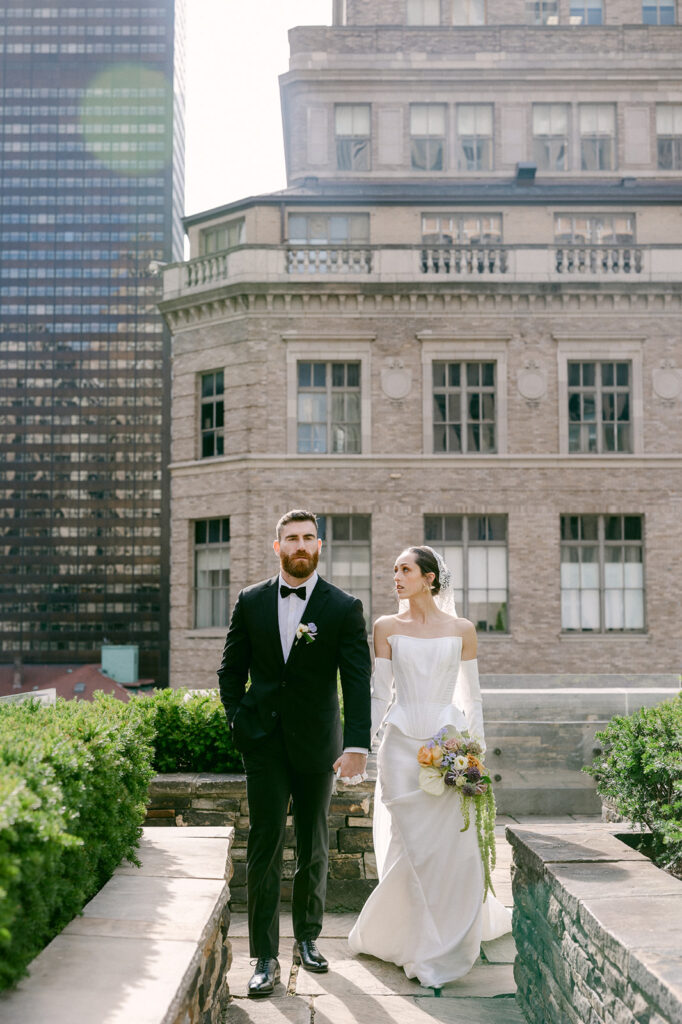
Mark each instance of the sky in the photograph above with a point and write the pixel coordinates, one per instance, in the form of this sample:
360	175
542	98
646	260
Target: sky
235	52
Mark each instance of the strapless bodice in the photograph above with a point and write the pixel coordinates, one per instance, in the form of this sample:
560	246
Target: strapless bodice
424	675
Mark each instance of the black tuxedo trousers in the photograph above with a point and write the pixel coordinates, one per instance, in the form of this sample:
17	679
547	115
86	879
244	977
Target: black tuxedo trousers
287	726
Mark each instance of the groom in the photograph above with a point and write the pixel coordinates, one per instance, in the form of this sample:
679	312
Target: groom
290	635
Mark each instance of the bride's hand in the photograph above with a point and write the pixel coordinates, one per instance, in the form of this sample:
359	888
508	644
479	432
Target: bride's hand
350	767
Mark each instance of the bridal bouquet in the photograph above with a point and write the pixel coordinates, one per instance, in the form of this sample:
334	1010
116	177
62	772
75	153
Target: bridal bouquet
451	760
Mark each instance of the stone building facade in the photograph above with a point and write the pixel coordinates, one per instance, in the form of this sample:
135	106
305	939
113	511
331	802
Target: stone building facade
460	324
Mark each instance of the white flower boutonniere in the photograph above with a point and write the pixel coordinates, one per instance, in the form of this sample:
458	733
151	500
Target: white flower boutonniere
306	631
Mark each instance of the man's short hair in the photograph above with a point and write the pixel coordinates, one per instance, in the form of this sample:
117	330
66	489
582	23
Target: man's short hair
297	515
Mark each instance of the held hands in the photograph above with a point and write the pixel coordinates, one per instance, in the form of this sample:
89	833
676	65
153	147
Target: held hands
350	768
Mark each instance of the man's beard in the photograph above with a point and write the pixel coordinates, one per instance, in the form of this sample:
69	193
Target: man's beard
301	565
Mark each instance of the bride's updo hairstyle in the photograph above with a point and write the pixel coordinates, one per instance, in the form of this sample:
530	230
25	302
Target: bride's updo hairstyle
426	560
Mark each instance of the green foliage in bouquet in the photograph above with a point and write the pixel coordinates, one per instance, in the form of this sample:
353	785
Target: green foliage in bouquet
190	731
640	771
73	793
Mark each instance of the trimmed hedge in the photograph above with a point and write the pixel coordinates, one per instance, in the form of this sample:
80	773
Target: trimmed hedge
73	791
640	770
190	731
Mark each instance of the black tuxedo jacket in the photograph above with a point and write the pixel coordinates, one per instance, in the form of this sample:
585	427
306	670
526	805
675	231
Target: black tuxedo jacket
300	693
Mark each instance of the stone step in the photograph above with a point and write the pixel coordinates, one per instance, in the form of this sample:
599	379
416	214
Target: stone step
545	791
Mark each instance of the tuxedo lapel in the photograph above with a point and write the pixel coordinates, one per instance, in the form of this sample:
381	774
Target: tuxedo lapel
271	616
315	605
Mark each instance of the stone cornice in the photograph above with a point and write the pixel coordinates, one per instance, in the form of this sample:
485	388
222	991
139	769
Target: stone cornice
420	461
340	299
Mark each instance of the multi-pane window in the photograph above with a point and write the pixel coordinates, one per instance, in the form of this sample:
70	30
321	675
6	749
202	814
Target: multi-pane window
211	572
328	407
327	228
475	550
542	12
669	136
212	414
461	228
468	12
346	555
602	573
594	228
658	12
427	136
474	136
353	136
599	396
597	136
463	406
222	236
550	136
587	12
423	12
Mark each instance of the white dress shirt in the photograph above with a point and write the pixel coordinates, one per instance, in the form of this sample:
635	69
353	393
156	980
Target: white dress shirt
290	611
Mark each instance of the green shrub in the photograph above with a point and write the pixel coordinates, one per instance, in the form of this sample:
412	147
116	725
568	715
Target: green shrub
191	733
73	793
640	771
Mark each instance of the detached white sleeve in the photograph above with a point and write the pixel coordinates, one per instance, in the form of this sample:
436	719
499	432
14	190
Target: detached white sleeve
382	691
468	698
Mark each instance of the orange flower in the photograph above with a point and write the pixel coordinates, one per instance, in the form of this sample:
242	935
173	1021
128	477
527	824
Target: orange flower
475	763
436	756
425	756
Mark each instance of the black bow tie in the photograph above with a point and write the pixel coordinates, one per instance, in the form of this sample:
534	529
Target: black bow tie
299	591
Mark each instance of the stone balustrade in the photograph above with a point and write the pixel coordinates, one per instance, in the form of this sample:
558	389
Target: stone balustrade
395	264
598	928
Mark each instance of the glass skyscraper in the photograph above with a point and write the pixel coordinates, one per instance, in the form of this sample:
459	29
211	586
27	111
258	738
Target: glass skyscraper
92	163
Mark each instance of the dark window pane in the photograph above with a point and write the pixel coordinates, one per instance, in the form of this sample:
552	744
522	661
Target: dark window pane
453	527
433	528
439	434
226	529
360	527
574	408
489	374
219	383
207	385
214	531
338	375
607	374
477	528
200	531
319	375
454	406
353	375
497	527
474	407
573	375
454	438
304	375
206	446
622	373
590	527
623	407
588	374
473	374
341	527
439	375
613	528
219	445
474	437
454	375
633	527
439	404
219	414
608	407
322	527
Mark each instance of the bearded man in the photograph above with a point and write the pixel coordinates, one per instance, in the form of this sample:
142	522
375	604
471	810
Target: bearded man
291	635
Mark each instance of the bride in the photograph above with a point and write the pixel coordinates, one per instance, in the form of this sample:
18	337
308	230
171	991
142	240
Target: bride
427	913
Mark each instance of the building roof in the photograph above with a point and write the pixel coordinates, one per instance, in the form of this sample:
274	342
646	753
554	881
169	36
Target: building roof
454	191
73	682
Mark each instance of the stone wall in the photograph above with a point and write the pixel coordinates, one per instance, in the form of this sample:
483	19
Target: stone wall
195	799
597	926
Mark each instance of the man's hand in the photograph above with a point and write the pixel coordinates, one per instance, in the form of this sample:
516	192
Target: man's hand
350	765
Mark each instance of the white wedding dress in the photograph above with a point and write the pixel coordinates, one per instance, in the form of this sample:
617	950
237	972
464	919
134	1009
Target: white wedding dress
427	913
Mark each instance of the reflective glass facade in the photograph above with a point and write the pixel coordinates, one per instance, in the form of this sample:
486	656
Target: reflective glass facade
92	163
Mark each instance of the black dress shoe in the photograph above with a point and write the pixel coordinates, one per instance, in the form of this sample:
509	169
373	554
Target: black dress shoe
307	954
265	977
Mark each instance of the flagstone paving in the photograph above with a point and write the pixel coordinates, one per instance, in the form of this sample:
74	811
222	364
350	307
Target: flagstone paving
364	990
